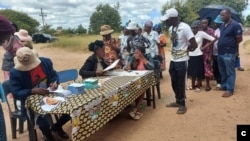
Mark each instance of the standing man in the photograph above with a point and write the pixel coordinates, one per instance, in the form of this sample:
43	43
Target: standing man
230	37
111	45
182	41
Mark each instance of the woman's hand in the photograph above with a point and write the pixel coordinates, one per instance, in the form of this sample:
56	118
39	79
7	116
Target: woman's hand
127	68
40	91
99	72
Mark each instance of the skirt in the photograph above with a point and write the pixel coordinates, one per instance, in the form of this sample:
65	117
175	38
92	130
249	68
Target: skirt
196	67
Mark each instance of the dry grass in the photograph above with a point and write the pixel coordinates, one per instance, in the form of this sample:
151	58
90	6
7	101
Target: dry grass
76	42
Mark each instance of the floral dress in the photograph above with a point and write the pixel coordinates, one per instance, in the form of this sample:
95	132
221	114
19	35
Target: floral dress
109	48
207	54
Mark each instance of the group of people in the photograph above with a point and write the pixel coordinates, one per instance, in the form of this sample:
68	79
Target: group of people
136	51
194	49
26	74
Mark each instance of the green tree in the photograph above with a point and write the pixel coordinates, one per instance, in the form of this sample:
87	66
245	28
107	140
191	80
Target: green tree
80	30
188	8
22	20
105	14
247	22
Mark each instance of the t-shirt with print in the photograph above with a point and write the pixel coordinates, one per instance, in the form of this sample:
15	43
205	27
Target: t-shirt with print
180	37
138	41
199	37
153	37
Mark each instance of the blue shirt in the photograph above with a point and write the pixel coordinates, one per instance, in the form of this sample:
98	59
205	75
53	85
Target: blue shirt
228	38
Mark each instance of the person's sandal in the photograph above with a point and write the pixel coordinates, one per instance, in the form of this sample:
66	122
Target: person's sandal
208	89
174	104
132	113
197	90
190	88
138	115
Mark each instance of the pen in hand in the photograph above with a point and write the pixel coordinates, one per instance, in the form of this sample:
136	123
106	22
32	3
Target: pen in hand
53	86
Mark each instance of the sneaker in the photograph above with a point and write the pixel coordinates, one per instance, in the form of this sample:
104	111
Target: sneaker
59	132
174	104
182	110
132	113
218	85
138	115
197	90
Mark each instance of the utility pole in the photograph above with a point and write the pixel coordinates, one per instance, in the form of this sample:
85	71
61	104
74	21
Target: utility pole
43	15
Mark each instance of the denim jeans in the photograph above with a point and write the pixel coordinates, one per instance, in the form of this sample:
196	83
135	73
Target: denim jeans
226	63
2	126
177	71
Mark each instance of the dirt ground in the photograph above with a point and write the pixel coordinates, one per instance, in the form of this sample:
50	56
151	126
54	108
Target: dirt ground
210	117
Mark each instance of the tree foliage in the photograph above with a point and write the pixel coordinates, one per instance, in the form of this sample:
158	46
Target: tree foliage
188	8
22	20
105	14
80	30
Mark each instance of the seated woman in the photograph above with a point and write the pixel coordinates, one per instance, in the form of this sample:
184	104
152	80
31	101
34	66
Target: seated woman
95	64
140	61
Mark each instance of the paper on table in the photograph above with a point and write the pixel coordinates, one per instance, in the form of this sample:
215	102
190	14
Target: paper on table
112	65
60	90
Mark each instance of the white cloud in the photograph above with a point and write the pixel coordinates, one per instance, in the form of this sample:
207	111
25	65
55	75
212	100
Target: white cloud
71	13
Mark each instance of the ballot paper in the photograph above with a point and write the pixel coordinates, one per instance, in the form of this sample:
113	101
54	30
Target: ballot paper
113	65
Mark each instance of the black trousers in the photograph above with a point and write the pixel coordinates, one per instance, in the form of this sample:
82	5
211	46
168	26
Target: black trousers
177	71
216	71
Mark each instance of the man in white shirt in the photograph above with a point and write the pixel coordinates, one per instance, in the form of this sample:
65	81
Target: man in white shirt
182	41
153	37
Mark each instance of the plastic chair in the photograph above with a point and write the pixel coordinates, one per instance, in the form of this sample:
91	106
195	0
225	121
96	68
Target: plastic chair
67	75
13	113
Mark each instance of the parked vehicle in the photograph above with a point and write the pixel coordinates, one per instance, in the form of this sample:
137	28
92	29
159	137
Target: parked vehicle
42	38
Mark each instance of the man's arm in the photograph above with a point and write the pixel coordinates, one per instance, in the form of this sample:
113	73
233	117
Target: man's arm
239	39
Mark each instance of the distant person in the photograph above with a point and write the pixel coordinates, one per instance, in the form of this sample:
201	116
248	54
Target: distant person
6	31
153	37
218	22
32	75
140	61
183	41
135	40
10	46
161	46
95	63
207	52
123	49
230	37
195	62
111	45
25	38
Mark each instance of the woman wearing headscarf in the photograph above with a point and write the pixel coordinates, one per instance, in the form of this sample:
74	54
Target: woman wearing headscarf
161	45
95	64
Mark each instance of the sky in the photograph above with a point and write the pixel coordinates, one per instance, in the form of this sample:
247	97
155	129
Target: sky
71	13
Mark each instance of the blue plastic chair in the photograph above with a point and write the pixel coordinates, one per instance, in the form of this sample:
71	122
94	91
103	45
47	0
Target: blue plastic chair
13	113
67	75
